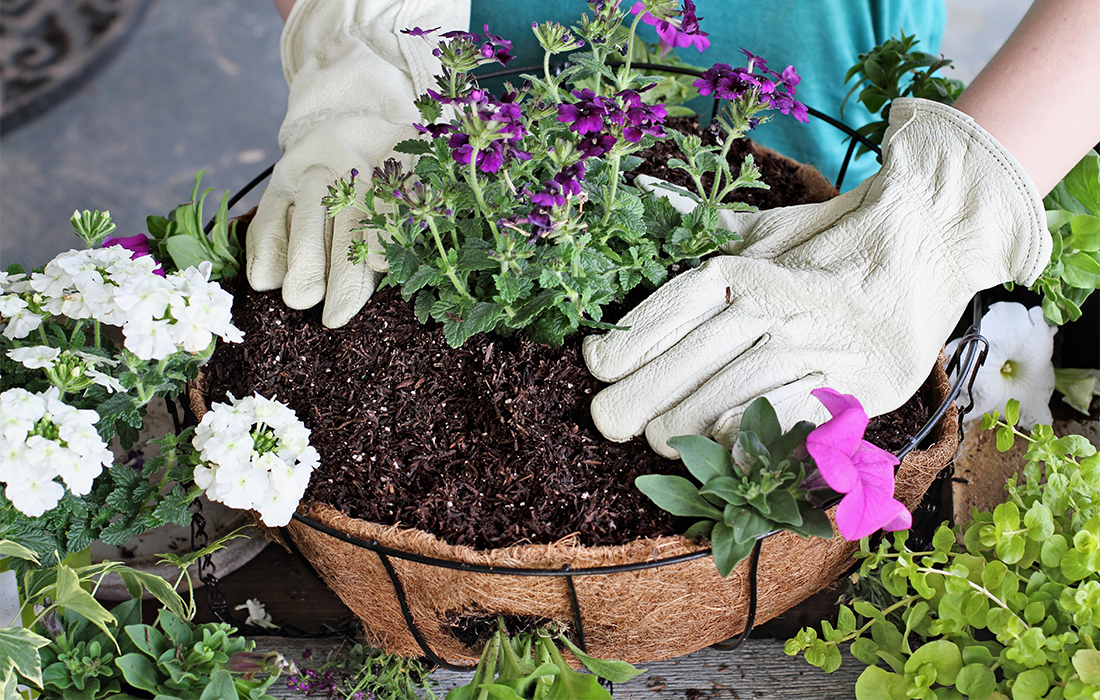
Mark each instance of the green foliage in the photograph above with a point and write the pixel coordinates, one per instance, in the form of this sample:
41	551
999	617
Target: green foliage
530	667
892	70
738	502
1005	606
1073	217
180	238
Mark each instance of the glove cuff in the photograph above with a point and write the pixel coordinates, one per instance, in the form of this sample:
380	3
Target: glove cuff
1019	211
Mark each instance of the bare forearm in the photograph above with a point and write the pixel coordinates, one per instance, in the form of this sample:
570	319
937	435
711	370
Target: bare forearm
284	7
1040	95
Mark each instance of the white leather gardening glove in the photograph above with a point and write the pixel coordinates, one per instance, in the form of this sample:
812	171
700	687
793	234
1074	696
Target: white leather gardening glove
858	293
353	78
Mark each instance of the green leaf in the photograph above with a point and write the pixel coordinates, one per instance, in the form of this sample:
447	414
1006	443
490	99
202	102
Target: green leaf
977	681
186	251
677	495
1087	664
1083	181
1081	270
18	551
413	146
221	687
70	595
139	671
1030	685
879	684
19	653
1012	411
943	655
760	418
1086	232
1005	439
614	671
727	551
703	457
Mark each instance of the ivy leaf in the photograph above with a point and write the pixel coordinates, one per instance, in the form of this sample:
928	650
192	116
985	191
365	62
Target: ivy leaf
19	654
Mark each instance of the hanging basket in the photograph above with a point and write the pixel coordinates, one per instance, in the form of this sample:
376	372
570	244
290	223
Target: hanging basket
648	600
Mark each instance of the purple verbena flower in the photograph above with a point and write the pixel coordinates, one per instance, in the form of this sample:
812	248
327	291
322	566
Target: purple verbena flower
417	31
754	60
640	118
587	114
569	178
687	33
496	48
596	145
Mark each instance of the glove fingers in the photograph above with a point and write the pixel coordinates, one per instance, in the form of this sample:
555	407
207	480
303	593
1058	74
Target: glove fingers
715	408
266	241
350	285
661	321
310	243
623	410
777	231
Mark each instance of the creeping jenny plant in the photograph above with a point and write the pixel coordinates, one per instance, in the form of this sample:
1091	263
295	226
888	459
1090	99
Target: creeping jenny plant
516	214
1005	606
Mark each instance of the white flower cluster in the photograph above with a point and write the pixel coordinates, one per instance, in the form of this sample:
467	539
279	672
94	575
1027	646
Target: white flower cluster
42	438
69	363
158	315
256	455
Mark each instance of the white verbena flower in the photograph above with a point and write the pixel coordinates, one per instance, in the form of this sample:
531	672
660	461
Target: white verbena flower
1018	364
35	356
45	438
256	455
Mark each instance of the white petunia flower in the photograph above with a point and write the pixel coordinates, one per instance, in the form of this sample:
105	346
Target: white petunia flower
256	454
1018	364
35	356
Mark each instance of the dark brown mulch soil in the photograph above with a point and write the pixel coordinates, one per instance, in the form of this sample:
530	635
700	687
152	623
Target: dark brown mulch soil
486	445
785	187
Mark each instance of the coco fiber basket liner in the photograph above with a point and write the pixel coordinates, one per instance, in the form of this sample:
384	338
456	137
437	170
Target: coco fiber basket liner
642	615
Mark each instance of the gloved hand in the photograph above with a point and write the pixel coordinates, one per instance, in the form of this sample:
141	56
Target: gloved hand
353	78
858	293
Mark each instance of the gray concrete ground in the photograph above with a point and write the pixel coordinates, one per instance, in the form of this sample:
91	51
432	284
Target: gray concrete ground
199	86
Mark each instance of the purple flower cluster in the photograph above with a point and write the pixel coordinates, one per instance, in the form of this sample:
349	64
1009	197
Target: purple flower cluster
499	120
672	36
490	46
774	90
312	682
594	116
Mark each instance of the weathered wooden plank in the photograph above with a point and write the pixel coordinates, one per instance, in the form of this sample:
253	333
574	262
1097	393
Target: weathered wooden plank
758	670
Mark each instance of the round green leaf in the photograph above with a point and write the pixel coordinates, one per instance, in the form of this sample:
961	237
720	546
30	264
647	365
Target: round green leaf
943	655
1030	685
1087	664
879	684
977	681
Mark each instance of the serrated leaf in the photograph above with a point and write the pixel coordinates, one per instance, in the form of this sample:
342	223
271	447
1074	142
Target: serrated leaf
413	146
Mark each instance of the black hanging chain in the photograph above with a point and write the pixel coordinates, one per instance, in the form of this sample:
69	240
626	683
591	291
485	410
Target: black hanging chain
215	597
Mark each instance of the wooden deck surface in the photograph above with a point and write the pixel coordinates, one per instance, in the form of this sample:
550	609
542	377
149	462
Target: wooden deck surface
759	670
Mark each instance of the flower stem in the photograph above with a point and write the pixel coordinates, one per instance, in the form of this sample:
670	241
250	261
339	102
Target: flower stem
450	271
475	185
630	47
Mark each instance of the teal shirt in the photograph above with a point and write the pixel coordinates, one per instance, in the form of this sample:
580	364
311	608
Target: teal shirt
820	38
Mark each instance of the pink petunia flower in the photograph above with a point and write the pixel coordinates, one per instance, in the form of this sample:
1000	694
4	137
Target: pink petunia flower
854	467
